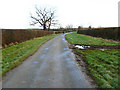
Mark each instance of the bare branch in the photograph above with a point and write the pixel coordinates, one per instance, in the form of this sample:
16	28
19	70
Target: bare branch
45	18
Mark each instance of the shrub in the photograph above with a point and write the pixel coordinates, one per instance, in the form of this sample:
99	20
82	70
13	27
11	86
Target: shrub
20	35
106	33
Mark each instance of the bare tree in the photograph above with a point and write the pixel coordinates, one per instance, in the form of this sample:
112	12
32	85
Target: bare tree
70	26
51	21
44	17
80	28
90	27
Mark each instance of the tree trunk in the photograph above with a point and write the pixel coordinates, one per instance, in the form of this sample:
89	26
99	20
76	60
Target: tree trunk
44	27
49	27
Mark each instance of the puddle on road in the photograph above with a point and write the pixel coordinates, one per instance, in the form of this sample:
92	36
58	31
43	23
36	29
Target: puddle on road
66	52
46	48
65	48
64	39
36	62
69	61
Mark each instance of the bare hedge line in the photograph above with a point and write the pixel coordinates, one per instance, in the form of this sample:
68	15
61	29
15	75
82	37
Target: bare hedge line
21	35
106	33
12	36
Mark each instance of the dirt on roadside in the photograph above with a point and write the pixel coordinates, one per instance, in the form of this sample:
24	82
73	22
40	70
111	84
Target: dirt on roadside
82	62
84	68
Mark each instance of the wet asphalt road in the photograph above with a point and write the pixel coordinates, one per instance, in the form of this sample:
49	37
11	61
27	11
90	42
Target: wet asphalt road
52	66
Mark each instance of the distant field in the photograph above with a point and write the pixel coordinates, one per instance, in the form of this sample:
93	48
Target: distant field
75	38
102	65
13	56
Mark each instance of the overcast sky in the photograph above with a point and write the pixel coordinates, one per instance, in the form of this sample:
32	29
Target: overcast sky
104	13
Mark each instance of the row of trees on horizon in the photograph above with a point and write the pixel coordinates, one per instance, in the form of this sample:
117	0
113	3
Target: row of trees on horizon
46	17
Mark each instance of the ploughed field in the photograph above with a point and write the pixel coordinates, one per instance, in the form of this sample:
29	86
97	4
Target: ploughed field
101	57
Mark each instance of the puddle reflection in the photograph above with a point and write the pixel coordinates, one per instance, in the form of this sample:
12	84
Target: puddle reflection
36	62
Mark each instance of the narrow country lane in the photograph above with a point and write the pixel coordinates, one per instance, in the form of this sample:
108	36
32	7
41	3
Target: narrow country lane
52	66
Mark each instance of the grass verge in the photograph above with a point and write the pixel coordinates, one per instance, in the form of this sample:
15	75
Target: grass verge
102	65
13	56
74	38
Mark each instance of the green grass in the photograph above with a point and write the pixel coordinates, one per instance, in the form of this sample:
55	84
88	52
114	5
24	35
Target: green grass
103	66
13	56
75	38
